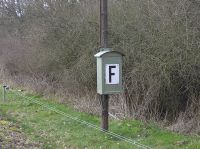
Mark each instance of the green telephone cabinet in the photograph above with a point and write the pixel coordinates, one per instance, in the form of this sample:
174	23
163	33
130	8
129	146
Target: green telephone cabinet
109	72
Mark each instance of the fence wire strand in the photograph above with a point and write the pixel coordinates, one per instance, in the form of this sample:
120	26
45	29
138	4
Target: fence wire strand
51	108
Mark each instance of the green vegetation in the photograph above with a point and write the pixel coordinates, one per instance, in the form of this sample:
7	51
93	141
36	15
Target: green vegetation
50	130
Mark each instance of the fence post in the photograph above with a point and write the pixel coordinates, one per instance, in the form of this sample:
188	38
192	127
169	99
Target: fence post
4	93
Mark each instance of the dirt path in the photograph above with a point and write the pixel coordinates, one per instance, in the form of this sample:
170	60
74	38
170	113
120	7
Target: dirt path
12	137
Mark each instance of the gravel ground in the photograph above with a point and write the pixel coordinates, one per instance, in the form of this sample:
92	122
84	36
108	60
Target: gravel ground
12	137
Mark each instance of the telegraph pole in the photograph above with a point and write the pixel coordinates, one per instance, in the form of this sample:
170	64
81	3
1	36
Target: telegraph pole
104	23
104	44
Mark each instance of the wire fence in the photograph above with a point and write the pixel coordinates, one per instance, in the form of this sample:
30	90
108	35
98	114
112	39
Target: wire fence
76	119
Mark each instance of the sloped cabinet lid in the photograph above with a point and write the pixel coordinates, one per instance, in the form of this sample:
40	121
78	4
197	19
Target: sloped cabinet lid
102	53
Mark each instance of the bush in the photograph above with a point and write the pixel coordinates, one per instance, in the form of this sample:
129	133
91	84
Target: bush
56	42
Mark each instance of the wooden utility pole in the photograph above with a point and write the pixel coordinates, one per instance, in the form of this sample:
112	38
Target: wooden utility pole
104	44
104	23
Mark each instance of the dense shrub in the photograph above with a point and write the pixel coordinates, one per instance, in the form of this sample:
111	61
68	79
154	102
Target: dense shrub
49	47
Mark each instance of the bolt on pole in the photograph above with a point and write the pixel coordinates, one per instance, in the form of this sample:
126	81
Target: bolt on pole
104	44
